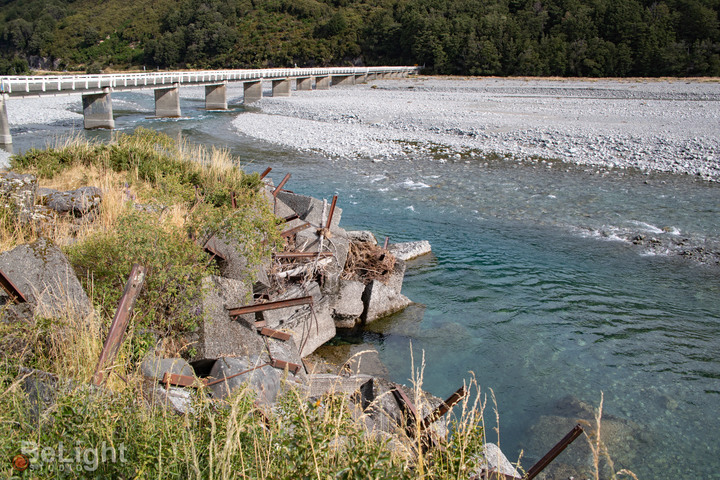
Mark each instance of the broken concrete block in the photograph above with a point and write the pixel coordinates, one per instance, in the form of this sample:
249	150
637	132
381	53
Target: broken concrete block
44	275
309	241
176	399
18	193
397	276
382	300
361	236
234	264
77	202
323	383
348	305
310	209
409	250
264	380
287	351
218	334
155	368
40	387
494	460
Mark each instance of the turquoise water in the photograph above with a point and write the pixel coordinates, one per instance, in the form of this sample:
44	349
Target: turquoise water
528	286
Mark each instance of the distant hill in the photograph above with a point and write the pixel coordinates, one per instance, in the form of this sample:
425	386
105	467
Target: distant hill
469	37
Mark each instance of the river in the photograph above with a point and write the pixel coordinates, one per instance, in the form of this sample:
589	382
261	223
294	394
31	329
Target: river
532	284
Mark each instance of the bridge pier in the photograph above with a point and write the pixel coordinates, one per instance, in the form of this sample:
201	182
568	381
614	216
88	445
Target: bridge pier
5	137
281	87
167	101
371	76
342	80
322	82
362	78
252	91
97	110
216	97
303	83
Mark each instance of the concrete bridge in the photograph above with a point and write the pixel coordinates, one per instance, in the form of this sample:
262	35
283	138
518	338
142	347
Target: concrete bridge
96	89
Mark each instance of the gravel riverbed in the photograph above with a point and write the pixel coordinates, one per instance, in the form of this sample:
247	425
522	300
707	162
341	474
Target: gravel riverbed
669	126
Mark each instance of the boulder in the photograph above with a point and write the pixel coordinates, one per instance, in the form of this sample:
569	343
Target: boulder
218	335
397	276
154	368
310	209
43	274
323	383
348	306
263	379
78	202
382	300
409	250
41	389
18	193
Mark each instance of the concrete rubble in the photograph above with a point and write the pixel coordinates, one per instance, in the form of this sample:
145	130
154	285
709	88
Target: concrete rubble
239	344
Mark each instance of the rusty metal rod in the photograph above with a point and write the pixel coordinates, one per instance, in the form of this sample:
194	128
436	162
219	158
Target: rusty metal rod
302	254
282	364
554	452
264	174
11	289
332	211
443	408
387	241
269	332
261	307
293	231
120	321
232	199
282	184
292	217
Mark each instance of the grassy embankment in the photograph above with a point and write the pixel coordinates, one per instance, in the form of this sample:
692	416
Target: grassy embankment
186	193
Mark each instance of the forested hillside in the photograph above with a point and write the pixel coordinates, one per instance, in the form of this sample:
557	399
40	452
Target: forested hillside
476	37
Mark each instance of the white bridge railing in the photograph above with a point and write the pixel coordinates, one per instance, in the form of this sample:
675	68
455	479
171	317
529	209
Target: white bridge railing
20	86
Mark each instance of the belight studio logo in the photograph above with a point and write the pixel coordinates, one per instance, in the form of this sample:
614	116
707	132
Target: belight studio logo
20	462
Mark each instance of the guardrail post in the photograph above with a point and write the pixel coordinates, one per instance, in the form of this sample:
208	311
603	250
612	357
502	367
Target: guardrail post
97	110
5	137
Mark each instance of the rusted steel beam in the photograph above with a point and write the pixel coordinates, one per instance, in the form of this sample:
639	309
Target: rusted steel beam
302	255
265	173
12	290
280	185
292	217
332	211
387	242
293	231
177	380
408	409
232	199
554	452
269	332
261	307
443	408
282	364
120	321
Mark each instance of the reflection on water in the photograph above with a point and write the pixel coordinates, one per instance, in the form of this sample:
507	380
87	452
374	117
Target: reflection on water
531	287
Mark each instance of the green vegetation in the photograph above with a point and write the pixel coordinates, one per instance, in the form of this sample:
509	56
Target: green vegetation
186	194
466	37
